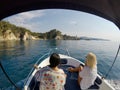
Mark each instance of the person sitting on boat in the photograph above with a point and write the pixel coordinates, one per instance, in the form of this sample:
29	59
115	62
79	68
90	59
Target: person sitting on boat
51	77
88	72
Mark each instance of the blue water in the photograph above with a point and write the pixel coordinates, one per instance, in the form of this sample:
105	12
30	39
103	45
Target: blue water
18	57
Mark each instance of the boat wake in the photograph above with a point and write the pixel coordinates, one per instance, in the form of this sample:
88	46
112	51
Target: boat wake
115	84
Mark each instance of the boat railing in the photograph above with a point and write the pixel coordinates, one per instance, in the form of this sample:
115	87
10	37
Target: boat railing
60	50
38	61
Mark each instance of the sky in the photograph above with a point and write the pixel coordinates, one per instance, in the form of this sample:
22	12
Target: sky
74	23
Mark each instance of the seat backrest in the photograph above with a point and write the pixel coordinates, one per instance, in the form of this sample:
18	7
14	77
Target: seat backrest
63	61
98	81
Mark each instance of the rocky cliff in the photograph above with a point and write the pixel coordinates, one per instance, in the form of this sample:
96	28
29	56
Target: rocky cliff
9	35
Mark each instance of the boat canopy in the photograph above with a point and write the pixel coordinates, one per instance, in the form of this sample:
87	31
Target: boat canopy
108	9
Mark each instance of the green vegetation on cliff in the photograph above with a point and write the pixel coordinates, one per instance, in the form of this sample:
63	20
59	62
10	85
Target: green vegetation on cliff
52	34
4	26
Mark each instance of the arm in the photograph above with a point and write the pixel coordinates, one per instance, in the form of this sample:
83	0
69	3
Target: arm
79	79
76	69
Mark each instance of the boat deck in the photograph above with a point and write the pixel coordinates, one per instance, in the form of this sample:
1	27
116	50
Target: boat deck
71	81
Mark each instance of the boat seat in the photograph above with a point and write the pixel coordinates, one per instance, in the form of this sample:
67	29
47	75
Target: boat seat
63	61
34	85
97	83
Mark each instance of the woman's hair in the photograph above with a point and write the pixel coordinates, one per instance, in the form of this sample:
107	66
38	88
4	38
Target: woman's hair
91	60
54	60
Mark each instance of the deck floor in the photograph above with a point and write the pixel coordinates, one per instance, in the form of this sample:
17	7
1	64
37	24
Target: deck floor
71	80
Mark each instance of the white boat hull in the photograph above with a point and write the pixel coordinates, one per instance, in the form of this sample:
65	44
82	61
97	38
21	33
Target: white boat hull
70	61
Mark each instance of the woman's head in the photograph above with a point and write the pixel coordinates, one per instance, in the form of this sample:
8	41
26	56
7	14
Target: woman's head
54	60
91	60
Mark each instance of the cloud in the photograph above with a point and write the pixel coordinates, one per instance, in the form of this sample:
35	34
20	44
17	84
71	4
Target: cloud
27	15
32	14
25	19
73	22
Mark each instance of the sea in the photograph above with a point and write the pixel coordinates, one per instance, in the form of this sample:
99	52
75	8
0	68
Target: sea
18	57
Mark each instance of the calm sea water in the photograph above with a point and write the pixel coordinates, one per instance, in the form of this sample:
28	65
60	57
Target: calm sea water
18	57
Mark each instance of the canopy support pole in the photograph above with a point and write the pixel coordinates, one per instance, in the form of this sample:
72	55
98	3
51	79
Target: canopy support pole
113	62
17	88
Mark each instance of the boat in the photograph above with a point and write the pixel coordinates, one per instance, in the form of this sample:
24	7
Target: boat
71	82
108	9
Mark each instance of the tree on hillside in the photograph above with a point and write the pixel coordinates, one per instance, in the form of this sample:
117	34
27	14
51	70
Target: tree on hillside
53	33
15	29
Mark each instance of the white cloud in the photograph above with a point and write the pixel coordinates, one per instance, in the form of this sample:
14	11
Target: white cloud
27	15
33	26
73	22
32	14
24	19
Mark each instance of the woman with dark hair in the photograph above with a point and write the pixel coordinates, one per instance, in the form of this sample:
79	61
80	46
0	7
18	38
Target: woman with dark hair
51	77
54	60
